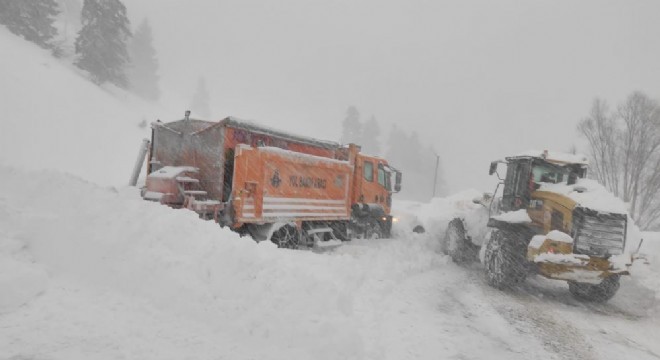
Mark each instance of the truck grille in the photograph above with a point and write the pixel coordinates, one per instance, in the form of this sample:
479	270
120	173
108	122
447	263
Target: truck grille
598	234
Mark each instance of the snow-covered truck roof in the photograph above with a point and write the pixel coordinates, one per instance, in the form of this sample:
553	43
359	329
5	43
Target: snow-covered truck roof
195	126
553	157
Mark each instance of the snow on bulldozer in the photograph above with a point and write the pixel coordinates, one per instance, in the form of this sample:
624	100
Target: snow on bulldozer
550	220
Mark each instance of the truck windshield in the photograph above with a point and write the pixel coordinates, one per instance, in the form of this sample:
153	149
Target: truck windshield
385	176
381	176
543	172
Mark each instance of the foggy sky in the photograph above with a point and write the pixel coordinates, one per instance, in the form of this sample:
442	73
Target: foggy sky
478	79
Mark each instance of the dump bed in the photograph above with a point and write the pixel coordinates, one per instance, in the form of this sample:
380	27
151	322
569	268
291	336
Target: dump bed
209	146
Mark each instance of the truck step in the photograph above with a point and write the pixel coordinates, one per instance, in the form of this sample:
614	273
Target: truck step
186	179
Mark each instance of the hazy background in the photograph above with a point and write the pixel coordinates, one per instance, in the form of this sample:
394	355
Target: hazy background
478	79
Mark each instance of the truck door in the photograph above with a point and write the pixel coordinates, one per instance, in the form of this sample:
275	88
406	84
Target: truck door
517	190
372	182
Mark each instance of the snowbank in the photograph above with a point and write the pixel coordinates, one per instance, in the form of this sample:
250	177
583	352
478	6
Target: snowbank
647	270
96	272
436	214
96	249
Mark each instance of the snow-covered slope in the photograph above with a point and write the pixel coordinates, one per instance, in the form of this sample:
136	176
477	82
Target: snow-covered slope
53	117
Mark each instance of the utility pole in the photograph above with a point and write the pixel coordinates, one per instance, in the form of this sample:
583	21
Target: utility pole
435	177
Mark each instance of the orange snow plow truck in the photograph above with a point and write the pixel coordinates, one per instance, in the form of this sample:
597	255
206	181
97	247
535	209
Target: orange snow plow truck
271	185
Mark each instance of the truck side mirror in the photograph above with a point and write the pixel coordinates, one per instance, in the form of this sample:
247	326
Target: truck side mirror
493	167
397	181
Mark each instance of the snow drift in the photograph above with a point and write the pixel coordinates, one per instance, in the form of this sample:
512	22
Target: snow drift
96	272
71	242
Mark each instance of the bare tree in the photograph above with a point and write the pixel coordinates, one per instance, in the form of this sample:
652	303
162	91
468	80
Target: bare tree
625	151
600	130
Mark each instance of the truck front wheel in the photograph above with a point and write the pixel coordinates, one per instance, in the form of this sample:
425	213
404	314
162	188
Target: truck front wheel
457	244
374	231
505	260
596	293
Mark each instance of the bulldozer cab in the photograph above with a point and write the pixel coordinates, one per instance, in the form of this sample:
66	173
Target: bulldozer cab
525	174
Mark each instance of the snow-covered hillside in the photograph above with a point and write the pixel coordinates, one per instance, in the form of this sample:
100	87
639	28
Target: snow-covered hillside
53	117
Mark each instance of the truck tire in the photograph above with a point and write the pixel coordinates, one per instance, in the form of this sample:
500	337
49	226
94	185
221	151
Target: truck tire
456	243
286	237
340	230
374	231
595	293
505	260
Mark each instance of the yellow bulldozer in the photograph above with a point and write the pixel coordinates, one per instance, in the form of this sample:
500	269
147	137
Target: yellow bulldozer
549	220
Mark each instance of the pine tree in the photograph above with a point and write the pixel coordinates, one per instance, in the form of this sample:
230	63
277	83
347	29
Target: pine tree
370	135
143	72
418	164
396	145
351	127
101	43
31	19
413	152
200	101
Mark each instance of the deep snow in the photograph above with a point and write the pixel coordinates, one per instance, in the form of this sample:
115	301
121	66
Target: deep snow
96	272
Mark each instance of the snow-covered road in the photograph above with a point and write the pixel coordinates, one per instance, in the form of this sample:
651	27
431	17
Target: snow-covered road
96	273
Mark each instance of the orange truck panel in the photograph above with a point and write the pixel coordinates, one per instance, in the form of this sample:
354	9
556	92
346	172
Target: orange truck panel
271	185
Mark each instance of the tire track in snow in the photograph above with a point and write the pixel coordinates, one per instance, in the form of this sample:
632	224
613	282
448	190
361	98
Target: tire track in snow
557	335
450	311
430	311
530	316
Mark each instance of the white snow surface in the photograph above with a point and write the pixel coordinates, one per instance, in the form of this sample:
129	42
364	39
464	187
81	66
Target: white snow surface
436	214
575	259
560	236
556	235
537	241
514	217
308	158
96	272
170	172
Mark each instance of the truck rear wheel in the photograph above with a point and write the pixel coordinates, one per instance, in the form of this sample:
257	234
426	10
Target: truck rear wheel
505	260
286	237
595	292
457	244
